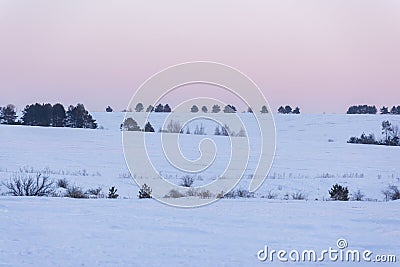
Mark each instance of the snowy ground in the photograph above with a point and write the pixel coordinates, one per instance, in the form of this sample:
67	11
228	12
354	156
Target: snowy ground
312	155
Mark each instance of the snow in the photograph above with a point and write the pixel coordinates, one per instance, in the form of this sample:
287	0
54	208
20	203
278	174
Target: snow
311	155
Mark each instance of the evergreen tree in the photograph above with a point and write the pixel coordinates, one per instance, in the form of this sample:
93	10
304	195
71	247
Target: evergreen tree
386	129
296	111
204	109
159	108
139	107
150	108
148	127
264	109
384	110
288	109
194	109
217	131
281	110
58	115
229	109
112	192
79	117
249	110
216	109
166	108
8	114
145	192
109	109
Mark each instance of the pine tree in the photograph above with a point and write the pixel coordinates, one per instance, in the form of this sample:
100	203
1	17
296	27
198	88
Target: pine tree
79	117
204	109
167	108
150	108
8	114
109	109
148	127
296	111
281	110
58	115
264	109
384	110
194	109
159	108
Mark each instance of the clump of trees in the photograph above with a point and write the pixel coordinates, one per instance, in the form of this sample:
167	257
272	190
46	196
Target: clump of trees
391	136
394	110
49	115
130	124
362	109
288	110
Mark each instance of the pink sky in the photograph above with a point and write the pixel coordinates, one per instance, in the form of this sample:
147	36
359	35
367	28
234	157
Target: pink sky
319	55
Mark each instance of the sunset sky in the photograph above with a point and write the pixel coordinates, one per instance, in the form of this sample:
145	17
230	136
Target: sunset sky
319	55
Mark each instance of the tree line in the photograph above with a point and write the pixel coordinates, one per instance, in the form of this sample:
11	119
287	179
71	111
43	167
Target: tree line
48	115
365	109
194	109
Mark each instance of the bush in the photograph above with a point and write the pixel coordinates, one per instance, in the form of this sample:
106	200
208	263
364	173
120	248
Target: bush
242	193
130	124
75	192
173	193
25	185
298	196
187	181
392	192
339	192
145	192
364	139
62	183
358	195
112	192
95	192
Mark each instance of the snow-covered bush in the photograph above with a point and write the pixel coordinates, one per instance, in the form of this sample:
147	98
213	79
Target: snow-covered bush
145	191
392	192
112	192
187	181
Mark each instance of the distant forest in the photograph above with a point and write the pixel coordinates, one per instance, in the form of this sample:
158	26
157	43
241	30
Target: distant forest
365	109
48	115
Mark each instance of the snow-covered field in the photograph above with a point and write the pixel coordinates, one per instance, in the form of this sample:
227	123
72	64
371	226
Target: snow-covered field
311	156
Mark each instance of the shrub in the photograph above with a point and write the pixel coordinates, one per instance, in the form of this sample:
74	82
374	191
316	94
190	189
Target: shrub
270	195
95	192
62	183
173	193
298	196
25	185
174	127
363	139
112	192
187	181
205	194
392	192
358	195
339	192
145	192
130	125
75	192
